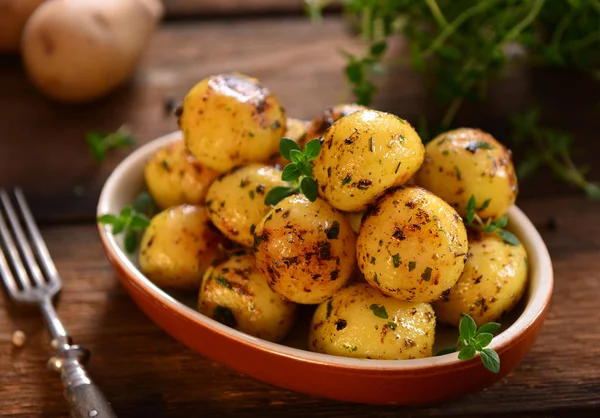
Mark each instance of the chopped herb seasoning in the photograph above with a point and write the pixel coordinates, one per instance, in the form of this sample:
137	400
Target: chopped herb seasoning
340	324
441	141
260	189
354	348
346	180
252	228
400	119
228	109
396	260
223	281
474	146
251	193
426	275
379	311
165	165
373	260
398	167
445	152
333	231
251	134
371	145
244	183
329	308
380	242
375	279
275	125
392	326
398	234
458	174
412	265
224	316
485	204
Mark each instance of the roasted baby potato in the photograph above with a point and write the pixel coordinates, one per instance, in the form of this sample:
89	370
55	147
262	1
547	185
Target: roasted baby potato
236	294
229	120
469	162
305	249
174	177
296	130
178	247
363	155
236	201
492	283
412	245
359	321
321	123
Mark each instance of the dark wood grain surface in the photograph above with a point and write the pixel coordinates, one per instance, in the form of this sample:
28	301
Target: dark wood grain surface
143	371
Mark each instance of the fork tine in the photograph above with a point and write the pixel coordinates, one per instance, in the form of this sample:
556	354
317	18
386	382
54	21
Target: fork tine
13	254
37	241
7	277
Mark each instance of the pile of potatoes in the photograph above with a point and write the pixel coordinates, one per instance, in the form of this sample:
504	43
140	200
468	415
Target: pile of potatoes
382	252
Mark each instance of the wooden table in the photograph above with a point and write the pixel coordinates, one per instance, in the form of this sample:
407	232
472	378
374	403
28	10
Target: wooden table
143	371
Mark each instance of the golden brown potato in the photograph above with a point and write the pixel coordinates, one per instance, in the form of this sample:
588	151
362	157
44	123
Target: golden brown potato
492	283
296	130
469	162
174	177
13	15
321	123
363	155
229	120
236	294
236	201
359	321
178	247
412	245
305	249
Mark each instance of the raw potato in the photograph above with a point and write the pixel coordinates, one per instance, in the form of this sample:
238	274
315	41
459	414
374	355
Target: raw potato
321	123
492	283
412	245
237	294
13	15
361	322
305	249
296	130
236	201
229	120
469	162
363	155
174	177
178	247
79	50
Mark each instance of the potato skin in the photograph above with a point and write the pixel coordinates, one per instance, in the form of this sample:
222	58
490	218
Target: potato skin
353	323
363	155
305	249
459	165
178	246
13	16
236	201
412	245
238	285
321	123
229	120
296	130
492	283
174	177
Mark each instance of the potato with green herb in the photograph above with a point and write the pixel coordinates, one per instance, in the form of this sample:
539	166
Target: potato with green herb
412	245
229	120
321	123
178	246
305	249
174	177
363	155
361	322
236	294
469	162
492	283
236	200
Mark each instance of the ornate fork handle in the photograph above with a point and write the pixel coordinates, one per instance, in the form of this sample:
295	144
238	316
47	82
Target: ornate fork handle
84	397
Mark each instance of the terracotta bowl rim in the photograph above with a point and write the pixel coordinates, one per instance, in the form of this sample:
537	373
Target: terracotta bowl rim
540	287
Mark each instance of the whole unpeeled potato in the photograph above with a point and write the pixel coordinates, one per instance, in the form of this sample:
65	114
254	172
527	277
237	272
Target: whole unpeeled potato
13	16
79	50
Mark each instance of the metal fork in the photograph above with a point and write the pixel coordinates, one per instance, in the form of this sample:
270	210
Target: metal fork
30	276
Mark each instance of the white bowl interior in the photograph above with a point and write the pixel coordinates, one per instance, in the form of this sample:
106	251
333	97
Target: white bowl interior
127	181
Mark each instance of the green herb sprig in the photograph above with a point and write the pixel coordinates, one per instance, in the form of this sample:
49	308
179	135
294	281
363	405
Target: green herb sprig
132	220
298	172
472	219
472	341
100	143
552	148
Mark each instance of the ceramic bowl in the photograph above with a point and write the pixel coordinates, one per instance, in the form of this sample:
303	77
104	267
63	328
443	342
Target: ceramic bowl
290	366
